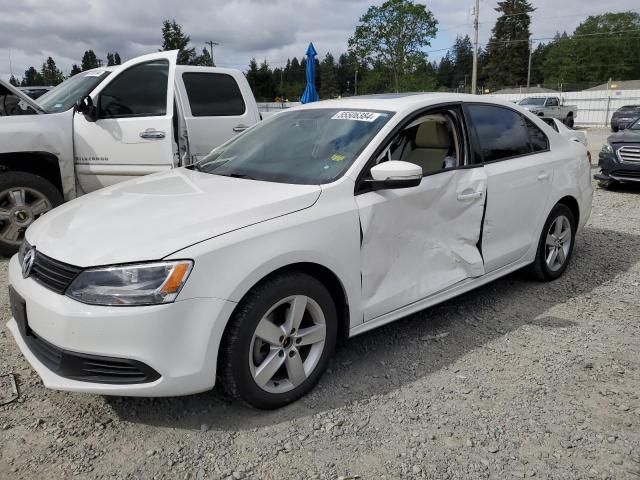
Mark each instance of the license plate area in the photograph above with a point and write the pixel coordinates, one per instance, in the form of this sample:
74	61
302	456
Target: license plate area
18	310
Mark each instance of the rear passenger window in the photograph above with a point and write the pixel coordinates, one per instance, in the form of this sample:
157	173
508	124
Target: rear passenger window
213	94
539	142
502	133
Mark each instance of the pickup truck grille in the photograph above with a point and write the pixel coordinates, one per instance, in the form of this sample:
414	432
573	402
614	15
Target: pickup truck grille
629	154
53	274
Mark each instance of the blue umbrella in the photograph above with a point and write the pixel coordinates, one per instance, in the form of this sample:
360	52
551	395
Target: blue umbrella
310	95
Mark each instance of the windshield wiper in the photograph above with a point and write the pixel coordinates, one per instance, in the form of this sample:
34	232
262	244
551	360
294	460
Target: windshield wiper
235	175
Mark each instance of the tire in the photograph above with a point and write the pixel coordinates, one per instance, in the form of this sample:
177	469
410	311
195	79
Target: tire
614	129
245	356
541	268
569	121
25	197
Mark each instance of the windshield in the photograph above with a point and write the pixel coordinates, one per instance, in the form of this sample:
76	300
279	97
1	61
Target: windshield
65	95
532	101
310	146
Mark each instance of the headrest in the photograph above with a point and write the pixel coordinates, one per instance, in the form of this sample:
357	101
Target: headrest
433	135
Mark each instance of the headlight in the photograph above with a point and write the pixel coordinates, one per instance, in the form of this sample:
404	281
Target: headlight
143	284
607	148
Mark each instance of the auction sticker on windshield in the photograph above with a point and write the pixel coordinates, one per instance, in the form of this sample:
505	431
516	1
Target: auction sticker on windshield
354	115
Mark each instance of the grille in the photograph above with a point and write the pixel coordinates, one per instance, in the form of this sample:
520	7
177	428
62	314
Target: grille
626	173
54	275
629	154
89	368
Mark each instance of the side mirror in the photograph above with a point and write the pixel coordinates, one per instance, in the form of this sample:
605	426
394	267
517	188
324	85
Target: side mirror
87	108
395	174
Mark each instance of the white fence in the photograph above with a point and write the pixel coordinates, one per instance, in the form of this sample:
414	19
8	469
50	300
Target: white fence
595	107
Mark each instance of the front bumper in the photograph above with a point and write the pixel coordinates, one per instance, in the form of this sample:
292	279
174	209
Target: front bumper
179	340
611	168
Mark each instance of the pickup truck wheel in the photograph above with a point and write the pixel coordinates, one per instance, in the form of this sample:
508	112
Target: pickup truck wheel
23	198
555	245
569	121
279	341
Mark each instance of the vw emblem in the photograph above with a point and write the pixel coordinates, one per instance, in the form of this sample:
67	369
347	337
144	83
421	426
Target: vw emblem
27	262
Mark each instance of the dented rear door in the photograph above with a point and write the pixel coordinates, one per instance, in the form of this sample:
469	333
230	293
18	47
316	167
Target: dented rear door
419	241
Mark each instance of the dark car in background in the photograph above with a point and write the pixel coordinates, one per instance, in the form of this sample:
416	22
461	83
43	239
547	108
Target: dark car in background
624	116
35	92
619	159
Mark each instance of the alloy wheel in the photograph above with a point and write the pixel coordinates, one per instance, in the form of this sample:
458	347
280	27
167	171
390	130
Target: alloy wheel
558	243
19	207
287	344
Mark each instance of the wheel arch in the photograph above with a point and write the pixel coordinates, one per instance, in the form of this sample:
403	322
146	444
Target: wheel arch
324	275
573	205
43	164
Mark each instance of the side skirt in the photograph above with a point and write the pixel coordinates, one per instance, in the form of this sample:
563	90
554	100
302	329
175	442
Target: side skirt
457	289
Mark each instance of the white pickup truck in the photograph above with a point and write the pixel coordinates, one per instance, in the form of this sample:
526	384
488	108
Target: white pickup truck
552	107
111	124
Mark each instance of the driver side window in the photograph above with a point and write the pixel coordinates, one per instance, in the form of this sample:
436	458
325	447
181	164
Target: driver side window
140	91
431	141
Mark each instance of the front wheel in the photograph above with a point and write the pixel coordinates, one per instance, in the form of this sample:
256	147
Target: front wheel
569	122
555	245
279	341
23	198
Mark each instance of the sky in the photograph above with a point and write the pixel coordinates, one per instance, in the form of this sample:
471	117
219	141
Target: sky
32	30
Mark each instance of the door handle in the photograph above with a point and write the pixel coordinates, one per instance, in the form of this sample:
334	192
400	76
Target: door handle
470	196
543	176
152	133
240	128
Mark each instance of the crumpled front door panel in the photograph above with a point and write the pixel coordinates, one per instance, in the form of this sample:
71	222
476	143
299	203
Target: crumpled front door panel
419	241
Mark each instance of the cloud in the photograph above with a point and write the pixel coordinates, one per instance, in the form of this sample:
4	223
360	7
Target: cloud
31	30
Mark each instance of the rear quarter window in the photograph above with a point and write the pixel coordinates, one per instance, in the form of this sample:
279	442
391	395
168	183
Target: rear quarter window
213	94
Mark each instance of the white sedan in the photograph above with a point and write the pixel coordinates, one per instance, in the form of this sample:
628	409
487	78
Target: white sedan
321	222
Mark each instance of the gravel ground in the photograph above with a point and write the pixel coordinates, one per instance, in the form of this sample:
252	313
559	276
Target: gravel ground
517	379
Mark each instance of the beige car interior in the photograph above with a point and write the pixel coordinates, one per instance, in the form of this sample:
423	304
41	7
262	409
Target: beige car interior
430	141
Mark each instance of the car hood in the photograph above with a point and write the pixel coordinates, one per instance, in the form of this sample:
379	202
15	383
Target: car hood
151	217
625	136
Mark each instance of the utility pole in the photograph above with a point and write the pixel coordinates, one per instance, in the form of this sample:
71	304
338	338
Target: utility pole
211	43
356	80
474	74
529	68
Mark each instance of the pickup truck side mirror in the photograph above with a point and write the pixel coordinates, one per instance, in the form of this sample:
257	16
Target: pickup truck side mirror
87	108
395	174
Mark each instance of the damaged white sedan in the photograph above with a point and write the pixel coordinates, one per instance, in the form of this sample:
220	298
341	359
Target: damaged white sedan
324	221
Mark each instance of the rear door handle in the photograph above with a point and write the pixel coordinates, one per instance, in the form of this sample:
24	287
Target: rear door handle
240	128
470	196
543	176
152	133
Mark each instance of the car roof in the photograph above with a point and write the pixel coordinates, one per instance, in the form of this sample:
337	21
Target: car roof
397	102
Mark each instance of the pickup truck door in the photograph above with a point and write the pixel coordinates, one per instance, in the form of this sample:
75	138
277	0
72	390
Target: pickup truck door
131	133
217	104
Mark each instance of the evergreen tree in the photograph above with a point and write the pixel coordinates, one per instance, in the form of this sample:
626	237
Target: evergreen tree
463	61
346	74
111	60
174	39
446	71
89	60
32	78
116	59
508	47
14	81
329	83
204	60
51	74
75	69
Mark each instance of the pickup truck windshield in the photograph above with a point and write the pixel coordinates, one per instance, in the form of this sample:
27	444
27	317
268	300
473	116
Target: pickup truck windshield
532	101
65	95
310	146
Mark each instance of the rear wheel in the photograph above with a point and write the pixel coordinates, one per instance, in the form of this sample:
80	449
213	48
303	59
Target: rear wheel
23	198
614	129
279	341
555	245
569	121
